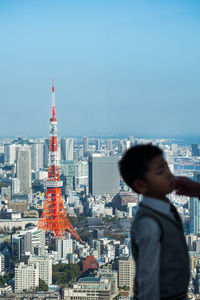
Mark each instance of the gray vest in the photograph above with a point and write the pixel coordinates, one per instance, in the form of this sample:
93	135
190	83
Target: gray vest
174	258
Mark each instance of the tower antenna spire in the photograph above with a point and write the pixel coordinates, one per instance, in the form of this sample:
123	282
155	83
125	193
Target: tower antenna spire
53	100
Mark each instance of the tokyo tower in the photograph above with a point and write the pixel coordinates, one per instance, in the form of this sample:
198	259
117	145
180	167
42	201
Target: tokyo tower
54	217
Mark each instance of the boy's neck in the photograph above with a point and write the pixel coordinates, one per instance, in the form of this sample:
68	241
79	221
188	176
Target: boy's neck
162	198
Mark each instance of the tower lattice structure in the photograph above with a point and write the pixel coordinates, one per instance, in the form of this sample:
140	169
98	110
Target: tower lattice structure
54	217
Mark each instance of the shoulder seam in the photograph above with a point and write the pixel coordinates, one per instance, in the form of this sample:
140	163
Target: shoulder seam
152	217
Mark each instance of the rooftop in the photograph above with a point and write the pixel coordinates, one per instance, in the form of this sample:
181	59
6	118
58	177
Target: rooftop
89	279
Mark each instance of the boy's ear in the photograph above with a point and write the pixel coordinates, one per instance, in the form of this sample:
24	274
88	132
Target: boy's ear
140	186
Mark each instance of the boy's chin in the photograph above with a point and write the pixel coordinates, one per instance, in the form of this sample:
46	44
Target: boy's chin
171	189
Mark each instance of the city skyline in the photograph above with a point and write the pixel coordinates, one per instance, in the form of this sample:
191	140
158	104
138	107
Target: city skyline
120	68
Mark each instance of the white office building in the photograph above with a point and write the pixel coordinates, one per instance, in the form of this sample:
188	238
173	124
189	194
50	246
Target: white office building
64	248
26	277
9	153
45	267
37	156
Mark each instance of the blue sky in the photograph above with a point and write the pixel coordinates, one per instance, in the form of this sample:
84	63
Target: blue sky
121	67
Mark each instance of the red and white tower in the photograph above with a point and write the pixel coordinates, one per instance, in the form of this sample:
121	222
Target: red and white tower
54	217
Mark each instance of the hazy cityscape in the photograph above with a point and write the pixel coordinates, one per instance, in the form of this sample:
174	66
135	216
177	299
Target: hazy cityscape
126	73
99	206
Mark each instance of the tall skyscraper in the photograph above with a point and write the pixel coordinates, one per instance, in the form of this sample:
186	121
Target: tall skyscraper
109	145
98	145
64	248
46	153
82	172
37	156
69	175
9	153
131	139
194	225
85	145
103	174
67	149
128	145
24	168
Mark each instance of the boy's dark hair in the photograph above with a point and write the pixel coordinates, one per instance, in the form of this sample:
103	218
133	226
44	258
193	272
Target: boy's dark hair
134	163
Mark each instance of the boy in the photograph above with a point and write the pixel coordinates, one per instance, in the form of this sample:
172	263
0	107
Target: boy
157	237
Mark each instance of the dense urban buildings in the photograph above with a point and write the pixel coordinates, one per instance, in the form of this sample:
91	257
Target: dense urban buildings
101	208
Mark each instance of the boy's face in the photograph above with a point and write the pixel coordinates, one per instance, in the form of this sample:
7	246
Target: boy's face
158	179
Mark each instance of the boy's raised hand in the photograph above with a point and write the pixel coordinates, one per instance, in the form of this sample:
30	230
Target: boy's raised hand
186	186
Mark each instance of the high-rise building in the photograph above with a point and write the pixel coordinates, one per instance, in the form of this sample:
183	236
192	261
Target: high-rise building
45	267
85	145
194	225
67	149
126	272
69	175
82	172
9	153
46	153
24	168
98	145
128	145
109	145
64	248
25	242
37	156
103	174
96	245
131	139
26	277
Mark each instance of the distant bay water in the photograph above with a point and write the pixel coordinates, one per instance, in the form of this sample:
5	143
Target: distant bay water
180	140
184	140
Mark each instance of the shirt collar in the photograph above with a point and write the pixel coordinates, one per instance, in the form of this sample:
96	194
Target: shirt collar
156	204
